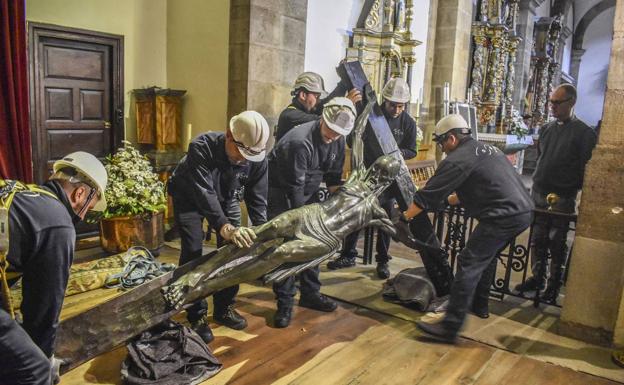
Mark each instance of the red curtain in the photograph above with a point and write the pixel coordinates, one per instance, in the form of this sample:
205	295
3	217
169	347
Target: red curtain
15	153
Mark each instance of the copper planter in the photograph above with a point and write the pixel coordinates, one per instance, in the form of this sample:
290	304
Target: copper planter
119	234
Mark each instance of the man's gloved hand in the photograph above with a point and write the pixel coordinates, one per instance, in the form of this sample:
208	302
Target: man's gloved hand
55	369
240	236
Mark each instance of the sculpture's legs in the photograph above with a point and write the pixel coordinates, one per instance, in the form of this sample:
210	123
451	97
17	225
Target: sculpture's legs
291	252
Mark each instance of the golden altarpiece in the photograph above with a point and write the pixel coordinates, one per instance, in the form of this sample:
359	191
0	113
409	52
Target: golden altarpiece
493	63
543	69
382	41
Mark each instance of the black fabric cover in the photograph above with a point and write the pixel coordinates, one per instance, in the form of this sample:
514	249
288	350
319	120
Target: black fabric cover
411	287
168	354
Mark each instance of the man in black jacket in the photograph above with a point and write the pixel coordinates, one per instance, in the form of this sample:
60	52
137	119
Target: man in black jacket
41	239
396	95
491	191
306	156
309	97
220	170
564	148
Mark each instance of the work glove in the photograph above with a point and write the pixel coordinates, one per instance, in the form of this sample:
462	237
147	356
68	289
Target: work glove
55	369
240	236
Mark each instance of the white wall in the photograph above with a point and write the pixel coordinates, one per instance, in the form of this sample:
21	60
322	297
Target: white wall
329	25
594	65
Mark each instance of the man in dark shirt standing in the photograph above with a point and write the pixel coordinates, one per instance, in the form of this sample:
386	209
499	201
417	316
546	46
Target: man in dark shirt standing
483	179
564	148
309	97
306	156
396	95
41	240
219	170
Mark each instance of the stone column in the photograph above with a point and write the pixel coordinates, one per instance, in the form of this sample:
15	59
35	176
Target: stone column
524	29
593	308
575	63
563	36
267	47
451	56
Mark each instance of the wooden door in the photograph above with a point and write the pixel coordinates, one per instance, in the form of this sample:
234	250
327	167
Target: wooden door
76	94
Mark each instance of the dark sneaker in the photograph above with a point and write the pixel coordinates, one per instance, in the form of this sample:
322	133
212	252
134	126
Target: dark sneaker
283	315
230	318
530	284
480	311
318	302
550	295
341	262
382	270
438	331
202	329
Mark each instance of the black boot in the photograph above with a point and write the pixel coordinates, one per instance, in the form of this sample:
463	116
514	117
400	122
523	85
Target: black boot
202	328
439	331
318	302
283	315
230	318
531	284
341	262
382	270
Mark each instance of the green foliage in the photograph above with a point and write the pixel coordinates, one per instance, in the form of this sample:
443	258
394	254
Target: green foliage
133	188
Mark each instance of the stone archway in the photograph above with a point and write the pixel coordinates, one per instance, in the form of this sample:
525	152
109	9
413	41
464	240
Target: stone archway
579	34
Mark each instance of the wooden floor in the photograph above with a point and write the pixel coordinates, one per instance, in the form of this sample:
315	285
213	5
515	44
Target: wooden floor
349	346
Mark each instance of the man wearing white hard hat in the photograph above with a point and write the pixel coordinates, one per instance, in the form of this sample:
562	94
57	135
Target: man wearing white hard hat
307	155
309	97
218	172
480	177
396	96
37	238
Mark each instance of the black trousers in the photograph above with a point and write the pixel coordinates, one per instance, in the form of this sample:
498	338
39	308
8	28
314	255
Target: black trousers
21	361
190	224
487	240
383	239
309	283
550	235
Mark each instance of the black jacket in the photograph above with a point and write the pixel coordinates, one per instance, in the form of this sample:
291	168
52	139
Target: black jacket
41	246
564	150
486	183
295	114
403	129
205	178
300	161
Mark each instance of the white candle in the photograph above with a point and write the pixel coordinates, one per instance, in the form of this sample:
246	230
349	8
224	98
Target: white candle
446	91
418	108
189	135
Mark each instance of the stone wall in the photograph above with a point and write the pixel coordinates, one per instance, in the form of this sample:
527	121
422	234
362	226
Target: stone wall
448	56
594	306
267	44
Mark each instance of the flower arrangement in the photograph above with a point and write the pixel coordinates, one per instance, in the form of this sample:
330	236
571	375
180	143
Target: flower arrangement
517	126
133	188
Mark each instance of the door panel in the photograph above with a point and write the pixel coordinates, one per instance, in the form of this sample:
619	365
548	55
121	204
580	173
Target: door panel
76	95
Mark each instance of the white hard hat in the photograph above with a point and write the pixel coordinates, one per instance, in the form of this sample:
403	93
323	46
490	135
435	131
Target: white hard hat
312	82
90	170
396	90
450	122
339	114
250	132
